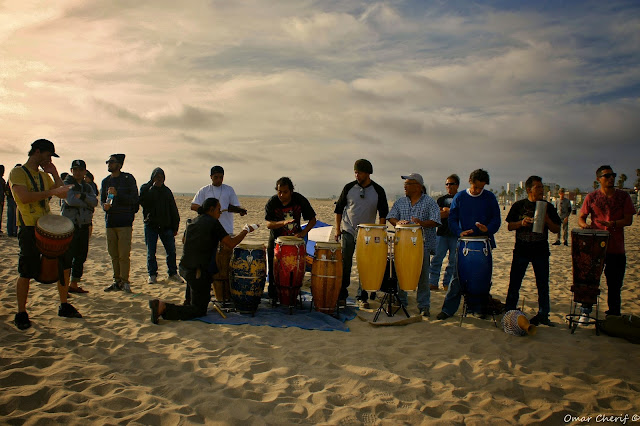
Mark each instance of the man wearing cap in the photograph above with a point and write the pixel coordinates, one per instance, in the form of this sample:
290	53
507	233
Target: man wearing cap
474	212
417	207
161	219
31	188
79	206
119	199
359	202
563	208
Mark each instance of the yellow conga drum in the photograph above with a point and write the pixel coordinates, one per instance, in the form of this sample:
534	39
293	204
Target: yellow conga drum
408	254
371	255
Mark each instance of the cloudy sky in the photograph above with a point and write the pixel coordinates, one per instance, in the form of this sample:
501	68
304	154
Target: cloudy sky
304	88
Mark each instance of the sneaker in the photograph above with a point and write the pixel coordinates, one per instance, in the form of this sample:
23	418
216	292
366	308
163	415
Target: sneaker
126	287
176	278
584	320
113	287
363	304
78	290
557	243
152	279
425	312
442	315
21	320
566	243
68	311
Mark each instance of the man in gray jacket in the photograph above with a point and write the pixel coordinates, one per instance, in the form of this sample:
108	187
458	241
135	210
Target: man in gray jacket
563	207
78	206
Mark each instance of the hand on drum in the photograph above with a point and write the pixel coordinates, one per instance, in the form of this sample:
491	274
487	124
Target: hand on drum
466	233
403	222
605	223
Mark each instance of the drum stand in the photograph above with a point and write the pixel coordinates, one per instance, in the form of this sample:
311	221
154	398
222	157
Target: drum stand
390	288
575	315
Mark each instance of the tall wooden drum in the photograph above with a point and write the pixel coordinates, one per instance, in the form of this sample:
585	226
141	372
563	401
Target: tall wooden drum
326	276
53	236
371	255
408	255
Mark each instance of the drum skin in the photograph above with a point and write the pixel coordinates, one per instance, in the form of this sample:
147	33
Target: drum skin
588	250
221	279
326	276
408	255
475	265
248	276
371	255
53	235
289	259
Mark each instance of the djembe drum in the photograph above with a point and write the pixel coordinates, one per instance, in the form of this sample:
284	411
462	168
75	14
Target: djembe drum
326	276
408	255
588	250
53	236
371	255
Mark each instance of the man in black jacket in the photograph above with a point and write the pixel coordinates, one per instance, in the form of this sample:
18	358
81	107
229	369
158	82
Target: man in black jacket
161	219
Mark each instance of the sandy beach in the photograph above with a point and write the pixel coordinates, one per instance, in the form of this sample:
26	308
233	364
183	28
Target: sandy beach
115	367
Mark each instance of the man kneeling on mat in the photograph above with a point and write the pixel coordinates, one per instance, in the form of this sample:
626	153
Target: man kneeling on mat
198	263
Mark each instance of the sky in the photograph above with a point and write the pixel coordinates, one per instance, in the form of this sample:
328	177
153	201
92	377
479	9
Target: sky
298	88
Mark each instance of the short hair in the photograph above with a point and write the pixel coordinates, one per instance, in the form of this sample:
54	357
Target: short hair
479	175
207	205
455	177
561	190
284	181
529	183
601	168
1	168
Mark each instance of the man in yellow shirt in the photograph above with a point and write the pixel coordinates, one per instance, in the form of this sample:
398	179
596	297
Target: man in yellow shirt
32	188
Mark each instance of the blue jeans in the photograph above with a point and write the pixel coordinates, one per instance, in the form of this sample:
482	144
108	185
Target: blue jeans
151	234
444	244
519	266
424	293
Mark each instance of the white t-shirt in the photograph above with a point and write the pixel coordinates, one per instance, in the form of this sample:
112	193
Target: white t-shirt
226	195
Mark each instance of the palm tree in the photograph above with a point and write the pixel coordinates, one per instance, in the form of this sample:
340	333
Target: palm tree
621	180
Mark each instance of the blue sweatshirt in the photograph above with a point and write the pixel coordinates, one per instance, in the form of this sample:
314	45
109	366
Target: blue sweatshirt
466	210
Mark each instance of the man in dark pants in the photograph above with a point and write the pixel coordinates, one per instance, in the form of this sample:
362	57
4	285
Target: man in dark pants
611	209
78	206
531	247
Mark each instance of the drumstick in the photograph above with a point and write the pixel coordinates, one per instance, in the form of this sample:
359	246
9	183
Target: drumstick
219	311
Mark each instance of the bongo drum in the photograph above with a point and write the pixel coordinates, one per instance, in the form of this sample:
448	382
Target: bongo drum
408	255
289	268
248	275
475	264
588	250
371	255
326	276
221	287
53	236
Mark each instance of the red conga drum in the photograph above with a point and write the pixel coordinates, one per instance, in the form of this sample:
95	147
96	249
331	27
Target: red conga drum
289	268
53	236
326	276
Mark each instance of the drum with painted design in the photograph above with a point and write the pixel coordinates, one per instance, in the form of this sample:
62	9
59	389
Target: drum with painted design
53	237
289	268
247	276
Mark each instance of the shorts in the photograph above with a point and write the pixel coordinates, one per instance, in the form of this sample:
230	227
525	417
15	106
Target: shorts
29	257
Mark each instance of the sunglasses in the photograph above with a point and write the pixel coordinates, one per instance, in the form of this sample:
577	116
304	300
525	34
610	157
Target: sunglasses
450	184
608	175
361	192
110	161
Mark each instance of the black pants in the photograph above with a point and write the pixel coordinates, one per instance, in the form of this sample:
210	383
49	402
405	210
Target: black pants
200	293
614	268
76	254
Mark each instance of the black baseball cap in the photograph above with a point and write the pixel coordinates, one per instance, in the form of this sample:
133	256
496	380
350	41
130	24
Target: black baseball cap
45	145
78	164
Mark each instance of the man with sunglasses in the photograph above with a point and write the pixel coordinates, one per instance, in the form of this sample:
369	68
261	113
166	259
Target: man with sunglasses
611	209
119	199
359	202
445	241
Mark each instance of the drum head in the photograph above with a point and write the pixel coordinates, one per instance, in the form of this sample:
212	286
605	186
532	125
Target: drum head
372	225
595	232
475	238
55	225
328	245
251	246
408	226
289	241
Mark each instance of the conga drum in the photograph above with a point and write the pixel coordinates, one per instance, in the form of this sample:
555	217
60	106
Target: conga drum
408	255
371	255
248	275
221	280
53	236
588	250
289	268
475	265
326	276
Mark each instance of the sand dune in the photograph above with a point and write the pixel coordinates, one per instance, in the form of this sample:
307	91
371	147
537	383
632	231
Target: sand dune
114	366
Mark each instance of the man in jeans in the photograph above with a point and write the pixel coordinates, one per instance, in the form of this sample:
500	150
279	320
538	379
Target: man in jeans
359	202
446	241
563	207
161	219
119	198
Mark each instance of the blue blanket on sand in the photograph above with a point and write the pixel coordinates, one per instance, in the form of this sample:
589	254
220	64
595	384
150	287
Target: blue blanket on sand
279	317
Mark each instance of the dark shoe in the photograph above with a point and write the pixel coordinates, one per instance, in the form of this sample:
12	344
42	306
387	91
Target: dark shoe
557	243
77	290
154	305
537	320
126	288
566	243
68	311
113	287
342	303
425	312
433	287
363	304
21	320
372	296
442	315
